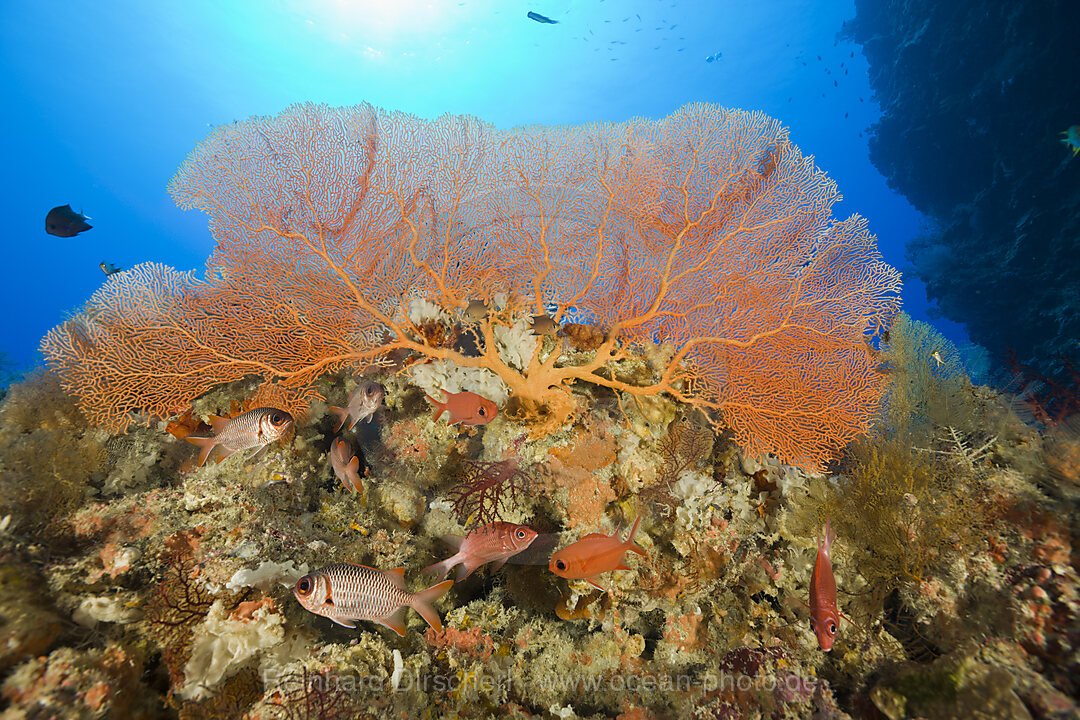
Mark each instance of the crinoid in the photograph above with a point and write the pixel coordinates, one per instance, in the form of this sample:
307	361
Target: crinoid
486	490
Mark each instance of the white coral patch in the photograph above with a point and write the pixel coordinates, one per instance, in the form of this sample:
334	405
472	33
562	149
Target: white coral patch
222	645
435	377
266	575
516	343
422	311
95	609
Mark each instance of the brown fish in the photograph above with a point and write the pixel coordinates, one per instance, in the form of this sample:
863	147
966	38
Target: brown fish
494	542
346	592
346	465
64	222
364	401
476	311
544	325
253	429
465	407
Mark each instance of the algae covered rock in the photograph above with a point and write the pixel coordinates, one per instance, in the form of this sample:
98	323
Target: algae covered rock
953	686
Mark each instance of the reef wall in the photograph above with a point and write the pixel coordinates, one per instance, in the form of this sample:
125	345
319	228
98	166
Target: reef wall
974	98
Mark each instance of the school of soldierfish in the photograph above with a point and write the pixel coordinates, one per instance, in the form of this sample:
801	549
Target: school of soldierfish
346	592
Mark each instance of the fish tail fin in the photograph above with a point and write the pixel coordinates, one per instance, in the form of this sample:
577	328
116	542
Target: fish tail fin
421	603
441	568
467	568
440	408
342	414
830	536
206	445
630	544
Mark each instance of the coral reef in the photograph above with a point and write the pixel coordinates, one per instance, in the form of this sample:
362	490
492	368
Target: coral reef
136	584
956	571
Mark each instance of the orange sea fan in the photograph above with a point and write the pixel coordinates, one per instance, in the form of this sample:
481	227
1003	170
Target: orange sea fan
707	229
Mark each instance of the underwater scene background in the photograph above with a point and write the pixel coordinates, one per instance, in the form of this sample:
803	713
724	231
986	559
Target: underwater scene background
563	360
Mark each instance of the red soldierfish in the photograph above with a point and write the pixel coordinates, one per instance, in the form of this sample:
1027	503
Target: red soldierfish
253	429
346	592
824	617
594	554
495	541
346	465
465	407
364	401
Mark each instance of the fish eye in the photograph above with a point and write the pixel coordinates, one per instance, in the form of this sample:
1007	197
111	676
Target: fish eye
521	534
277	419
560	564
813	625
832	628
304	585
482	412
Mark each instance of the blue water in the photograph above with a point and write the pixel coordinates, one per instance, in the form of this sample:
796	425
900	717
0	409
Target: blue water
104	100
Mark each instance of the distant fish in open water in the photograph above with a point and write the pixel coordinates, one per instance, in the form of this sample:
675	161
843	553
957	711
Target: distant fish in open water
64	222
541	18
109	268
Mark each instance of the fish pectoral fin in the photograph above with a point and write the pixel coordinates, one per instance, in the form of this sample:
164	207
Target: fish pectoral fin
341	414
498	564
225	452
596	585
395	621
256	452
343	623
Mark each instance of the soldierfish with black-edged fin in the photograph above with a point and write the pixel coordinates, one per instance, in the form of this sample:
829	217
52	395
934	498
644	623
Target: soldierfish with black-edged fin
465	407
346	592
495	542
594	554
364	401
255	428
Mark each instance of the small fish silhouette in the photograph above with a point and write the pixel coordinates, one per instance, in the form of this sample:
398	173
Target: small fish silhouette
109	268
62	221
541	18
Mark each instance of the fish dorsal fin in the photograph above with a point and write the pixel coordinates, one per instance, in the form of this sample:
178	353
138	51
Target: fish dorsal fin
218	423
355	464
592	535
366	567
453	541
397	576
395	620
